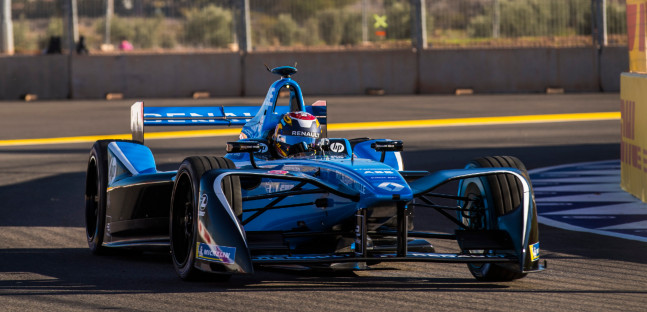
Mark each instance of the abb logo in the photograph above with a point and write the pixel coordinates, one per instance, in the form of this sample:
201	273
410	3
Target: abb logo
636	15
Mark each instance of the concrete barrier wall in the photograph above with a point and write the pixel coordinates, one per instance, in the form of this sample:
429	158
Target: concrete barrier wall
613	62
320	73
158	75
337	72
44	75
509	70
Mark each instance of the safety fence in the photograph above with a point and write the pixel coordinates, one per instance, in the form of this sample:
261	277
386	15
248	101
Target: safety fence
525	22
203	25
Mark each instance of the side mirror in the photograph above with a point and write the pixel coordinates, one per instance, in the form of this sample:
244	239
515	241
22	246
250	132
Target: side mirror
387	146
246	147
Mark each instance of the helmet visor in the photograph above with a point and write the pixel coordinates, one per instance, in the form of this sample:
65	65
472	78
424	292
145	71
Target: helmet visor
285	142
293	139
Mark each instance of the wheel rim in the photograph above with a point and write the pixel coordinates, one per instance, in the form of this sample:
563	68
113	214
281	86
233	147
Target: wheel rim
476	222
183	221
92	203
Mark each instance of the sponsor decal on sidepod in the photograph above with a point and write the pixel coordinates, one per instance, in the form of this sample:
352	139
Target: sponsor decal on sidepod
112	171
534	251
203	205
337	147
215	253
309	134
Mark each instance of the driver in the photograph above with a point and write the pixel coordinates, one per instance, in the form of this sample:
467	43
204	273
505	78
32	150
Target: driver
296	133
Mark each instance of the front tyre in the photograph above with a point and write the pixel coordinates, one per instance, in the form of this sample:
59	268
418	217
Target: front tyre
184	213
499	195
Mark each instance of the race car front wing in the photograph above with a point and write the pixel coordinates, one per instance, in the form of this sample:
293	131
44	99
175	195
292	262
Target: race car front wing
223	228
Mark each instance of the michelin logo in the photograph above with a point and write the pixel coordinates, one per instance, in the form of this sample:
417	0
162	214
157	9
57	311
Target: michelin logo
215	253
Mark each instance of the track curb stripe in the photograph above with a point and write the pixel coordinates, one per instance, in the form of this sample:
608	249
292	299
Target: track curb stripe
572	197
374	125
475	121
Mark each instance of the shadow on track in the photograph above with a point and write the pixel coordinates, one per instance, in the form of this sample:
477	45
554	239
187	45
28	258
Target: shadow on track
76	271
52	201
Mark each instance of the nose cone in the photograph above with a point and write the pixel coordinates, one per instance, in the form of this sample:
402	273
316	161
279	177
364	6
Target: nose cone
386	181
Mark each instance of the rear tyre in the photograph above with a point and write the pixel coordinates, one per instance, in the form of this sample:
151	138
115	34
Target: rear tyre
501	194
96	185
184	213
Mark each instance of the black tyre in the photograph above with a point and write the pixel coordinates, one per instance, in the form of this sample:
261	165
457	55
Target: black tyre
96	184
501	195
184	212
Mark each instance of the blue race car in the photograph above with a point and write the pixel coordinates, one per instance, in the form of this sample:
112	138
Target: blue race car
285	193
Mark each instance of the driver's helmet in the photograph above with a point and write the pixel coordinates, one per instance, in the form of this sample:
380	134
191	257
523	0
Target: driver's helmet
294	129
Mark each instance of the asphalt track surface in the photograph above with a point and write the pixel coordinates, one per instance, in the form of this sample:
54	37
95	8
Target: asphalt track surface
45	263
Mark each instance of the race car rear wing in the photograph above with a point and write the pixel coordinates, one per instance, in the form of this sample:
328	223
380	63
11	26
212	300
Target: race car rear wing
141	116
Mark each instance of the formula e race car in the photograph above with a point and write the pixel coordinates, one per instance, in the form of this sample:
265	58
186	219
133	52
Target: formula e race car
286	194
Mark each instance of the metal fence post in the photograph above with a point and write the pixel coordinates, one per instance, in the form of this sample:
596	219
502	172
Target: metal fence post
6	28
243	31
603	22
599	33
496	19
364	23
418	35
244	28
72	29
419	21
110	11
599	22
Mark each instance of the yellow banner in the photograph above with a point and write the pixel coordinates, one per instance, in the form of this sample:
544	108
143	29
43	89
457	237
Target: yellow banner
636	33
633	145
